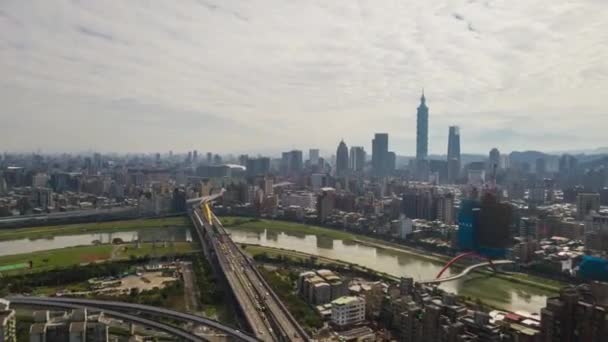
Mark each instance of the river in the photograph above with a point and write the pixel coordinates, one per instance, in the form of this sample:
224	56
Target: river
20	246
494	291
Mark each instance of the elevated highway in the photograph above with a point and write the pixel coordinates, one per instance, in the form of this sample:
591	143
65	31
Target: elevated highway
263	311
44	302
132	307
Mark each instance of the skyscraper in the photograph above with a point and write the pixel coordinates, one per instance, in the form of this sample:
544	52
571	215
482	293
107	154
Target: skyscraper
422	130
493	158
357	158
586	203
291	162
313	156
380	154
258	166
453	154
342	159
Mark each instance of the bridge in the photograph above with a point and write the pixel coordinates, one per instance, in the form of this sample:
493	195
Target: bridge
263	311
467	271
204	199
117	309
177	332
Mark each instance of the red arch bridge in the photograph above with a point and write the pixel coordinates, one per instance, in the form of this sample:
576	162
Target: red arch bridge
489	263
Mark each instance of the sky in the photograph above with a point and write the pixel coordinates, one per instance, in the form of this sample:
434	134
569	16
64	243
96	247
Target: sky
263	76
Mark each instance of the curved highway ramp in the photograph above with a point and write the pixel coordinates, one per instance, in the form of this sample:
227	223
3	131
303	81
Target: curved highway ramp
119	309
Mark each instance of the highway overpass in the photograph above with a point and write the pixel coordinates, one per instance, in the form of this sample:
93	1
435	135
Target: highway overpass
133	318
140	308
264	313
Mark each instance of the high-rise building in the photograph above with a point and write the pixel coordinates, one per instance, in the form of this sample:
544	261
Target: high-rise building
243	159
596	232
445	208
422	130
493	160
380	154
326	202
494	231
40	180
42	198
438	171
313	156
570	318
453	154
291	162
342	159
585	203
258	166
357	158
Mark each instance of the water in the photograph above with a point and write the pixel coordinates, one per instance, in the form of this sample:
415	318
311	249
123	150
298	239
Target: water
20	246
498	292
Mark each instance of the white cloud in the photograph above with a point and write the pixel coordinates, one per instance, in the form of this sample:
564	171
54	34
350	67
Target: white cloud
240	75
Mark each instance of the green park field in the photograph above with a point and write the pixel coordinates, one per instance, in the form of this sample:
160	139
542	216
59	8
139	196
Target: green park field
96	227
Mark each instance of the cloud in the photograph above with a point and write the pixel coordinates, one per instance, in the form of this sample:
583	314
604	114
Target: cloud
93	33
277	73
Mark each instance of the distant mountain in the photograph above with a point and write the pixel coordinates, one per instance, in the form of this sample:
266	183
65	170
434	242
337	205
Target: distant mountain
594	163
529	157
584	160
599	150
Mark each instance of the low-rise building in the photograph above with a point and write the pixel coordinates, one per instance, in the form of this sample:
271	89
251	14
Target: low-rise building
321	287
347	311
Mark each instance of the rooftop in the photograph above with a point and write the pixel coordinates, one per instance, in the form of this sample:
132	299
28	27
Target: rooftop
346	300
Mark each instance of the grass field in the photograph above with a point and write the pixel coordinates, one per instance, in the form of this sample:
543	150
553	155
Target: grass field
112	226
259	225
128	250
297	256
65	257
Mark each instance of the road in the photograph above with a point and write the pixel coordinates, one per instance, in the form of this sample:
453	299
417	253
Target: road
192	295
44	302
466	271
264	312
241	286
132	307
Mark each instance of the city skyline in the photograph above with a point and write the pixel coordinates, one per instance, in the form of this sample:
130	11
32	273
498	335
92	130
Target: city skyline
240	75
275	170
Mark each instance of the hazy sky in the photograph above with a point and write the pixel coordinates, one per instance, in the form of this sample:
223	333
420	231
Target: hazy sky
271	75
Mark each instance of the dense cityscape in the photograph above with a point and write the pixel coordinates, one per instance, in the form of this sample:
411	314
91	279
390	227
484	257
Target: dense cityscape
303	171
536	222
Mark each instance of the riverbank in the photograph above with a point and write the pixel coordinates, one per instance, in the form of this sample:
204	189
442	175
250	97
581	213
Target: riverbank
43	232
261	225
66	257
302	258
485	288
521	278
